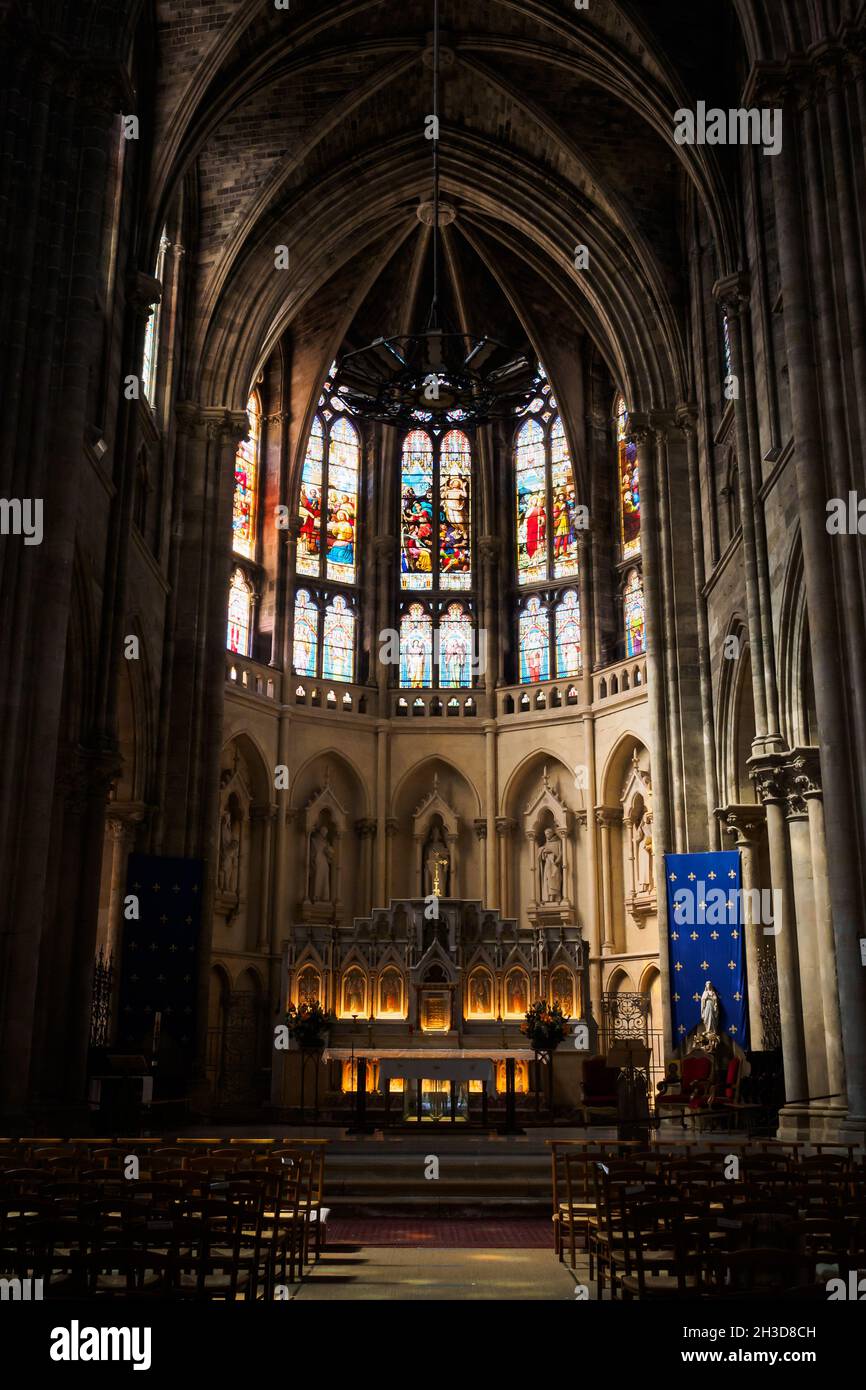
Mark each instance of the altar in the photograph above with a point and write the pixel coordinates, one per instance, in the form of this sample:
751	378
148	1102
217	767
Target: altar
435	1084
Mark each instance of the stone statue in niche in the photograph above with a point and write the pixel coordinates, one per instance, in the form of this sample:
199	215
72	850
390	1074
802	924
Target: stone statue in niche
644	852
321	857
437	862
517	995
390	993
550	867
480	998
354	993
230	845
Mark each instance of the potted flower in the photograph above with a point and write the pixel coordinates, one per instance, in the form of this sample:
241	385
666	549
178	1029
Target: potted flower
308	1025
544	1026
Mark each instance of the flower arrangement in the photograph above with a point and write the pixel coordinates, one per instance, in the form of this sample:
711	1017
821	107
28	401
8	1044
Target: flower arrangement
544	1026
308	1023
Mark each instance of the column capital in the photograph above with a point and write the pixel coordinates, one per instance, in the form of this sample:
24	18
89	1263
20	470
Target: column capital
733	293
804	772
392	825
639	426
365	828
686	415
266	812
745	823
480	827
767	775
608	815
505	826
489	548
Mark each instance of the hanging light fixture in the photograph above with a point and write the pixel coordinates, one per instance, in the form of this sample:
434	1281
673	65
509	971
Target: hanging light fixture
437	376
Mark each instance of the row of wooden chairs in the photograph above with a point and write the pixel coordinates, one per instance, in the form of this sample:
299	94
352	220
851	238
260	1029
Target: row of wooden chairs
269	1206
626	1205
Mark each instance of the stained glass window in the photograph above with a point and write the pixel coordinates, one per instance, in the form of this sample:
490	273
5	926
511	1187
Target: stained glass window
246	485
455	483
531	503
416	648
344	456
633	611
151	332
567	635
565	513
534	642
629	483
306	639
239	613
338	645
310	507
455	647
416	512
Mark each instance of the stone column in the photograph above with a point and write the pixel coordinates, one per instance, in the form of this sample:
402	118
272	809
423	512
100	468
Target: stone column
828	667
385	548
669	640
491	797
480	828
796	815
746	824
265	816
606	817
392	825
383	874
732	295
656	636
687	422
505	828
805	776
488	549
366	831
769	784
586	626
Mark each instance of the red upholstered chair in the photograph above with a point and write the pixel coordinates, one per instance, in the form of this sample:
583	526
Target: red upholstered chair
693	1091
599	1088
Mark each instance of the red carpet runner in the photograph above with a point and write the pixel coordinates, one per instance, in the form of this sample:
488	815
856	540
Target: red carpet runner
442	1235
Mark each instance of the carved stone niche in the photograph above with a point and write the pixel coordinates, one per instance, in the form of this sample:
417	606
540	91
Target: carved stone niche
323	826
435	828
547	823
637	823
235	803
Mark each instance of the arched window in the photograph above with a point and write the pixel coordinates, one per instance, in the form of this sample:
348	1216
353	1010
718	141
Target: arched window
326	619
246	484
338	646
548	517
534	641
567	635
331	468
239	613
416	648
310	507
633	613
150	355
306	640
629	483
436	479
531	470
344	458
455	647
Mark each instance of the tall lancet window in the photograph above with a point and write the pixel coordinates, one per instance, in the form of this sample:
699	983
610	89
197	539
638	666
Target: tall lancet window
549	520
326	609
629	483
150	356
246	484
244	504
240	613
633	614
437	634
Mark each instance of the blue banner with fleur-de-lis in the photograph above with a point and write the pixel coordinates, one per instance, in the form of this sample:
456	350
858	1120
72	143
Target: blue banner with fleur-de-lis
162	912
705	941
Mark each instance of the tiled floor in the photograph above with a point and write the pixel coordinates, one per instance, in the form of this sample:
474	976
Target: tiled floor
400	1273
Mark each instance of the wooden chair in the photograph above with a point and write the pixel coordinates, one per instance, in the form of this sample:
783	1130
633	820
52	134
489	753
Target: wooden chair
578	1207
663	1252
